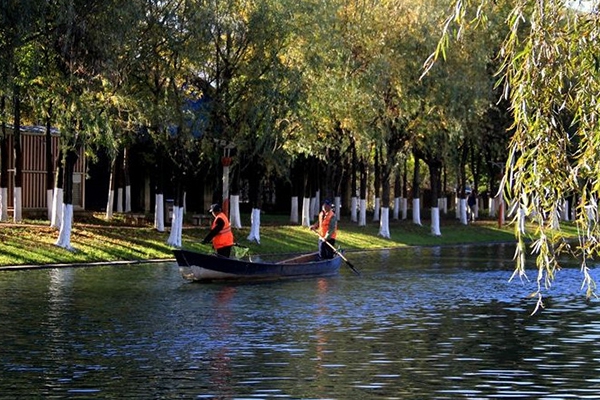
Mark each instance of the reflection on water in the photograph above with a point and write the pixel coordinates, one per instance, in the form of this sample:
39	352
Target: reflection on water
419	323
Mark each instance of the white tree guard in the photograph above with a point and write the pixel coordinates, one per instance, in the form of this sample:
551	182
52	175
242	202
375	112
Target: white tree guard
64	235
49	194
443	205
159	213
294	210
128	198
354	209
57	208
565	210
492	206
235	217
176	227
254	235
396	214
435	222
384	223
17	204
306	217
404	207
362	214
3	204
109	204
337	201
462	208
416	214
377	209
119	200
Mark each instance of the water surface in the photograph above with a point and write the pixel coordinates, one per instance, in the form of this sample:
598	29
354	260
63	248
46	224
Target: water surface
419	323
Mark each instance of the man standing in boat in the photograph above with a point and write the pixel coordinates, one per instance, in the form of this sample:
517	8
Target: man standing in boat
220	233
326	227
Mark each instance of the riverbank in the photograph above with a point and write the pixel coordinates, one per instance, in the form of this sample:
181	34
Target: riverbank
95	240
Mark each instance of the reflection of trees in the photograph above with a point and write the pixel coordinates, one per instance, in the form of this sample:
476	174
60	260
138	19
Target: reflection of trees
219	361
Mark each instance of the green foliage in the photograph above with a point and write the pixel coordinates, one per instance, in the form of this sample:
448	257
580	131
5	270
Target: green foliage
550	72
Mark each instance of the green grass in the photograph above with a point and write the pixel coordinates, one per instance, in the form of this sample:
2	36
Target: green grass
96	240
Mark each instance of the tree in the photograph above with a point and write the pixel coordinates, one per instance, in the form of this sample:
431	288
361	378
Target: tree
549	68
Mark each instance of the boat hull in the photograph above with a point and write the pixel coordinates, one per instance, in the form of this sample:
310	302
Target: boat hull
201	267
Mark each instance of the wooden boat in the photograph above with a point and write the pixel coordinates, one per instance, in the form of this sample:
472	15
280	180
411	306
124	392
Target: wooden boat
201	267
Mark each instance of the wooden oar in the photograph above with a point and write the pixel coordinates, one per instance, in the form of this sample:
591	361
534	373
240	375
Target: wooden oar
338	253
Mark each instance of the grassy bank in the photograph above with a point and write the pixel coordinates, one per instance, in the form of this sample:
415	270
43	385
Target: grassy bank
97	240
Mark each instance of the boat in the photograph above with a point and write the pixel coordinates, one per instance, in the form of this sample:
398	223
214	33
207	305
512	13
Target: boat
200	267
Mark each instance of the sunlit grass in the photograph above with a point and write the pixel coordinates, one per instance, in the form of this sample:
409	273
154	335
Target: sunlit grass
96	240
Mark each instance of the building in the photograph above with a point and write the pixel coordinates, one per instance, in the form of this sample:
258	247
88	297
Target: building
33	145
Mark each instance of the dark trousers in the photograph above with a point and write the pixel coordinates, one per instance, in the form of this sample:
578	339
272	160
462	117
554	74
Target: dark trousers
224	251
326	252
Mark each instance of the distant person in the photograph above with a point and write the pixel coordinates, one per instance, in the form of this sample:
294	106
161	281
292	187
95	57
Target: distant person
326	227
220	233
472	204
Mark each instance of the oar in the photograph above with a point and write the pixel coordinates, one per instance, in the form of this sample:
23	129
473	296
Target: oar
339	254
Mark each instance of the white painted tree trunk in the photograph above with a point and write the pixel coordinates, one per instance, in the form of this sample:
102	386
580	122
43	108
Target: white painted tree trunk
159	213
64	235
294	210
492	206
235	217
354	209
57	208
377	209
176	227
109	204
128	198
18	204
416	212
443	205
337	201
435	221
396	214
362	214
458	209
306	217
254	235
565	211
120	200
404	202
463	211
384	223
3	204
49	194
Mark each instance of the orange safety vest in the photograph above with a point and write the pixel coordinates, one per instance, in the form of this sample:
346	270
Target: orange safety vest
324	221
225	237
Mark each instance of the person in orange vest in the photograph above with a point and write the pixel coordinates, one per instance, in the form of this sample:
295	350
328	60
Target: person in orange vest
220	233
326	227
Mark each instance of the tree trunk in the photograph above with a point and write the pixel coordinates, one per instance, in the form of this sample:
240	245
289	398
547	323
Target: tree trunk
234	211
112	183
57	198
64	235
434	176
377	186
159	206
126	180
18	184
49	164
354	189
362	219
178	213
416	193
255	200
3	165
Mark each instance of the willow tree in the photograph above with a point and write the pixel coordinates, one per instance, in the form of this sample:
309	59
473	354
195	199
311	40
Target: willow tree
549	66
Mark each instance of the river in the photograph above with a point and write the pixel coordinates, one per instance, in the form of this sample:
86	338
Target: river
421	323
